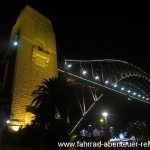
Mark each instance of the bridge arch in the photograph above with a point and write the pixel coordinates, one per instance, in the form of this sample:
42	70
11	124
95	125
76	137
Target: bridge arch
116	75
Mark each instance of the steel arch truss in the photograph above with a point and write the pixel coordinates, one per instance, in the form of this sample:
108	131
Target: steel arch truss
116	75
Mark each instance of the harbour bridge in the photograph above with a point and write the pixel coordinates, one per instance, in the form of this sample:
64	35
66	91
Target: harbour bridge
108	74
34	58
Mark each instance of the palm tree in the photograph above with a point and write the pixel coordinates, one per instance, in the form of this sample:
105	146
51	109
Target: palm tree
53	100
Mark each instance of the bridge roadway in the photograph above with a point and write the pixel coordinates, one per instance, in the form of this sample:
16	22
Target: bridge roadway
99	85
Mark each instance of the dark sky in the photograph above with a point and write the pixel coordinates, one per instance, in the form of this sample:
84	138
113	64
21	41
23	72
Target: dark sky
83	35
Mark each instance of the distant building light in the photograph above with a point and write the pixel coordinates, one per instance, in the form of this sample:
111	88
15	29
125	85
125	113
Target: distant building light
15	43
121	136
84	72
90	125
139	95
101	120
143	97
147	99
122	88
106	82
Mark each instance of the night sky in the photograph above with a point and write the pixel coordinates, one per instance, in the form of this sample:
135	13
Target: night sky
88	36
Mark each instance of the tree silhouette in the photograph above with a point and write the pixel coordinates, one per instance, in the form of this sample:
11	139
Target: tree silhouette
53	101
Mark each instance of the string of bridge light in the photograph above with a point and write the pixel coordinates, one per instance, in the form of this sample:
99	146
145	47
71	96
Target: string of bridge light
84	72
146	76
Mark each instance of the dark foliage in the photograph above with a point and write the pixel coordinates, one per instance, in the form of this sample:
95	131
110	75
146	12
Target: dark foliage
140	130
53	101
54	96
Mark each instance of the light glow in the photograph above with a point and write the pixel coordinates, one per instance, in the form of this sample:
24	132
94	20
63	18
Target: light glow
15	128
134	93
122	88
115	85
106	82
8	121
15	43
84	72
105	114
97	78
69	66
121	136
101	120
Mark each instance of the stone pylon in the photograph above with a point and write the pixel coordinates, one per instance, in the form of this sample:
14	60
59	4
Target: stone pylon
36	59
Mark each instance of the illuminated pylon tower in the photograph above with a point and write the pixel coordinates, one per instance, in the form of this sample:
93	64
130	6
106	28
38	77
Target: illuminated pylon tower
36	59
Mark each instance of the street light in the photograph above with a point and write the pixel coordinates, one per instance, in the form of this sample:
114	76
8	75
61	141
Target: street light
105	114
